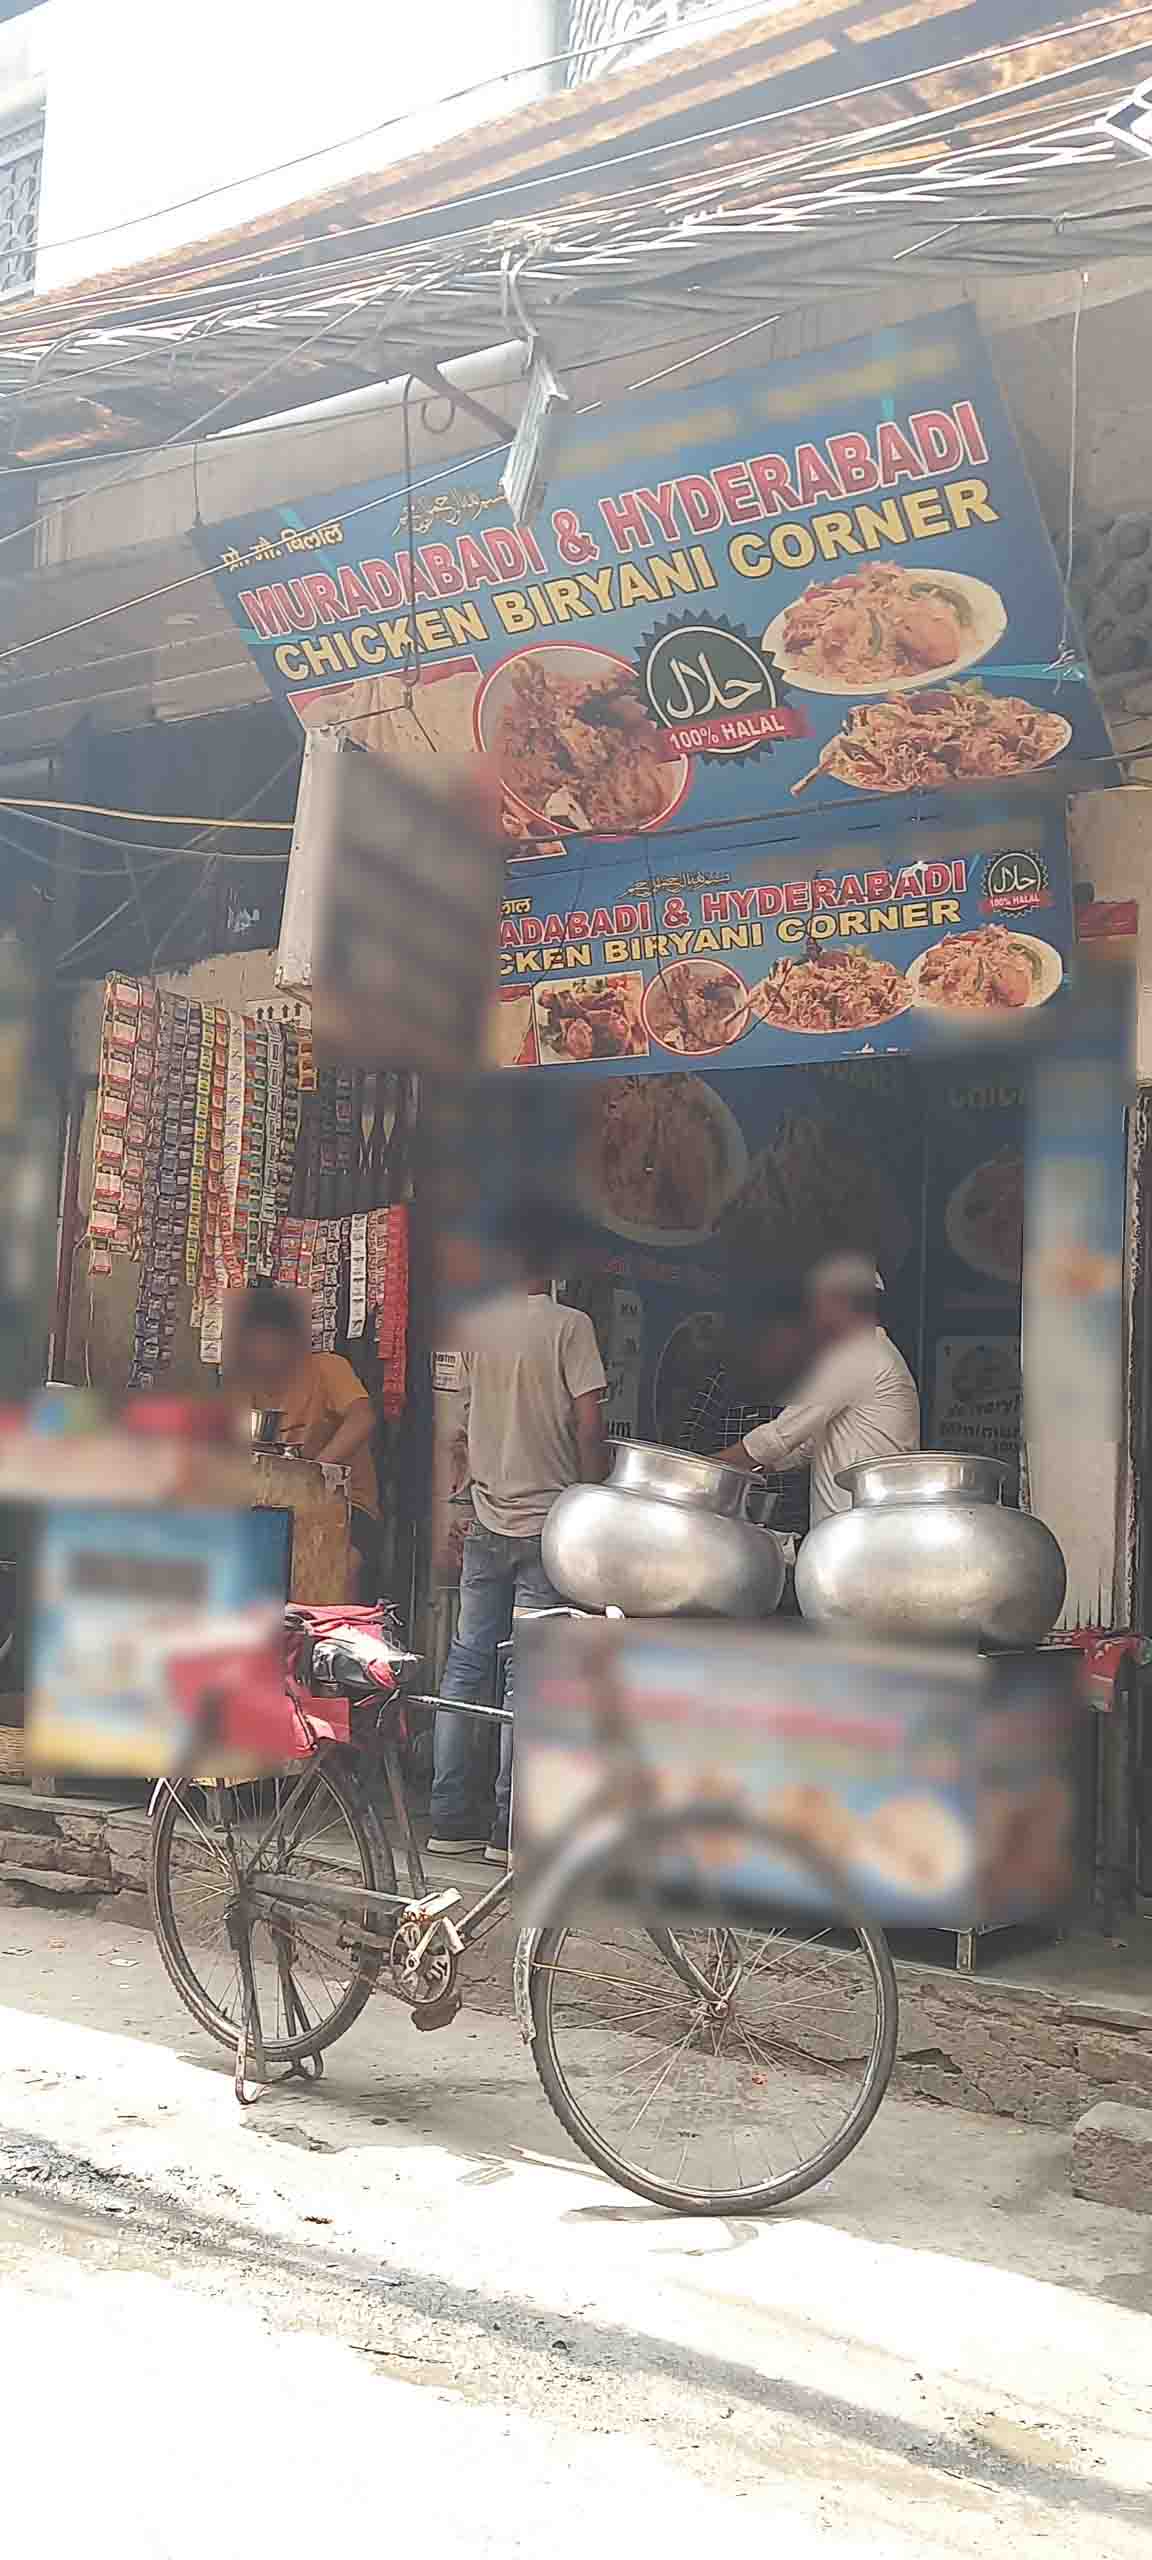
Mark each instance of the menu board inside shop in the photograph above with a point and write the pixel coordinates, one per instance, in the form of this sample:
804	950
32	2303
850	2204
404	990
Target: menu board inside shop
820	583
759	961
975	1125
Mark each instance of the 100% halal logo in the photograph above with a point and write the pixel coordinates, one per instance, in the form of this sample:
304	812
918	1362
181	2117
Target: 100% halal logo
716	691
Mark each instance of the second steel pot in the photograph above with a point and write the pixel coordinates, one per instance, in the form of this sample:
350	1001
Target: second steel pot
928	1550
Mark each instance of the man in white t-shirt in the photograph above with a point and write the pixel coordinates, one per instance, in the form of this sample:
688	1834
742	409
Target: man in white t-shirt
533	1386
858	1399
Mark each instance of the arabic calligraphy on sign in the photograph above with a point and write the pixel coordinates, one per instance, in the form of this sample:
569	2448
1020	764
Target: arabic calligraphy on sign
1013	883
713	693
448	506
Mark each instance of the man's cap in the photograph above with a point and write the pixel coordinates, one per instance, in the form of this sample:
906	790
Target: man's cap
850	1271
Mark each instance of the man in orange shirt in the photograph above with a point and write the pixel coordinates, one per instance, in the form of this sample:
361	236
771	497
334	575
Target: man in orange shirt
324	1409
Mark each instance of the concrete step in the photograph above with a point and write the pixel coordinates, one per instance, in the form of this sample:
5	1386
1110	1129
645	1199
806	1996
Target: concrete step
53	1883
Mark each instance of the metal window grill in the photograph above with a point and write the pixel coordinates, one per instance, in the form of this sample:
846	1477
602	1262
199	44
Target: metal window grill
21	154
625	23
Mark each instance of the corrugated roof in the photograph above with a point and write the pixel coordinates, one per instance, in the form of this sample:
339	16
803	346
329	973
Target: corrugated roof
589	122
640	203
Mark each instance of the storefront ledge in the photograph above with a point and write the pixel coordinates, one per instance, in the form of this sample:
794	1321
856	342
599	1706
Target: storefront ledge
20	1883
1020	2052
1112	2156
46	1858
45	1854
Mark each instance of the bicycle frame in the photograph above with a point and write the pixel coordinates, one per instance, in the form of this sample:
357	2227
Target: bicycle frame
622	1847
312	1893
277	1897
307	1893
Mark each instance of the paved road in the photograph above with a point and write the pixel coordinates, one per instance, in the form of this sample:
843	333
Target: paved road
399	2302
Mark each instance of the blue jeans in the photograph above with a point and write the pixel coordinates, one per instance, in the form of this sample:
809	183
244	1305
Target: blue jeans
498	1575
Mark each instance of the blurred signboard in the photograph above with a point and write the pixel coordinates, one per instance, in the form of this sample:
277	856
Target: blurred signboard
390	918
920	1787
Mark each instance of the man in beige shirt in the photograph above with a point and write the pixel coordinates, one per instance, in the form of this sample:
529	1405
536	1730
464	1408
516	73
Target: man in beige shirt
858	1400
533	1381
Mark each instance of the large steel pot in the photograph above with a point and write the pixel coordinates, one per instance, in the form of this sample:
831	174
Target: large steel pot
928	1549
667	1536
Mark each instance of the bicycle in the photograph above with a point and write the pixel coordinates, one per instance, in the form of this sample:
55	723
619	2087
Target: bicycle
670	2053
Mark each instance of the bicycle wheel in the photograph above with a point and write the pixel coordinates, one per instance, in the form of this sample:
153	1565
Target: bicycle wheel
315	1822
713	2069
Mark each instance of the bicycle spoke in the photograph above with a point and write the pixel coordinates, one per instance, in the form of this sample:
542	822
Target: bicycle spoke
304	1974
711	2060
216	1845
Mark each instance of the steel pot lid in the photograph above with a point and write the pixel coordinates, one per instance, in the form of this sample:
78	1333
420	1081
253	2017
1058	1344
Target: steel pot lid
929	1475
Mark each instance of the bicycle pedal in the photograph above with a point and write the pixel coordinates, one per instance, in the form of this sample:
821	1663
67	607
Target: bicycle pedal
433	1906
437	2013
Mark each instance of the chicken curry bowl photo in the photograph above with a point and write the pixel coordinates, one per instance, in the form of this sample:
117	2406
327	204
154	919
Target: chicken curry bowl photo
574	742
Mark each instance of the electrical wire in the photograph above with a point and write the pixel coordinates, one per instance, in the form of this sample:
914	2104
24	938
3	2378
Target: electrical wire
174	922
131	692
45	639
836	148
85	870
154	817
205	881
183	434
1064	650
745	9
153	595
107	658
297	425
160	855
794	822
840	145
195	577
174	439
965	62
95	933
765	845
167	859
164	648
154	858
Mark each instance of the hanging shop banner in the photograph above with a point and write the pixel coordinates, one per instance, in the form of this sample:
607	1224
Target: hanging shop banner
817	583
763	962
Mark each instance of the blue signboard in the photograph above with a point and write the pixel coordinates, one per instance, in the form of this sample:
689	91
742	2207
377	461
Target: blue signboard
885	944
803	589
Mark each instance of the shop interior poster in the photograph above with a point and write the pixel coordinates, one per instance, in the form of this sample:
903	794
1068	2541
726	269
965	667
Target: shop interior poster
821	582
703	1193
